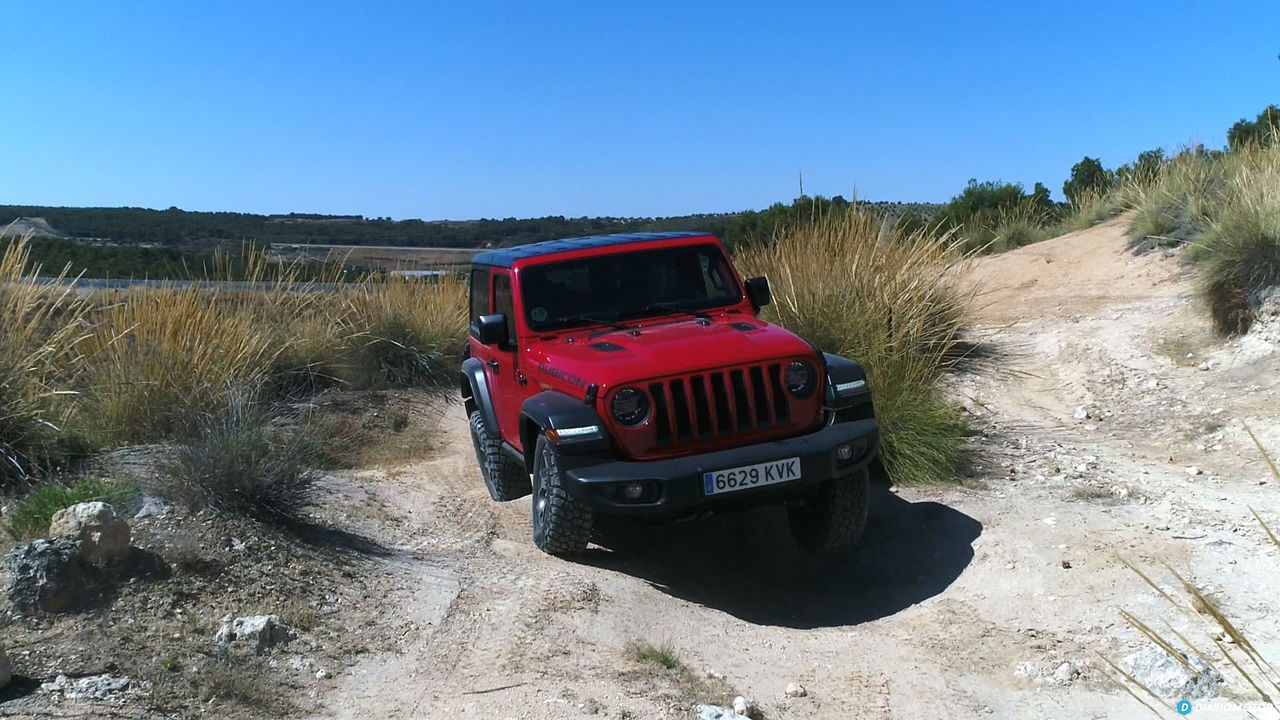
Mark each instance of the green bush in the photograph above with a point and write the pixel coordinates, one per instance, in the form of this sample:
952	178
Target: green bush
1087	176
31	516
1262	130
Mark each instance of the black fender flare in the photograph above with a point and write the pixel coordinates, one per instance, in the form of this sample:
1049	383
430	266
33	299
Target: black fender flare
475	393
554	410
844	371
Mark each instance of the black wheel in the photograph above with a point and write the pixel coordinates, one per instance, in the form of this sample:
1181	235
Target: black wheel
561	524
505	477
831	522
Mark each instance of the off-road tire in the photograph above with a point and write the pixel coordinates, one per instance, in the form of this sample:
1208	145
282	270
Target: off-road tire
503	475
831	522
561	524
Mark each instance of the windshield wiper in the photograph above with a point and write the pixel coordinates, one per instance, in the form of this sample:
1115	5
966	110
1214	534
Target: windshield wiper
592	320
670	307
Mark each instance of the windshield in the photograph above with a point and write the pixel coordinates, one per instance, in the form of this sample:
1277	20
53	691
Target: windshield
627	285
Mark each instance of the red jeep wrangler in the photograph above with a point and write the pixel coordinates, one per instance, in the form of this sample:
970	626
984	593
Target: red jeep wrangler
631	375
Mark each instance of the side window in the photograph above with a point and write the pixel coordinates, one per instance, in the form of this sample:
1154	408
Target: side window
479	293
717	286
503	303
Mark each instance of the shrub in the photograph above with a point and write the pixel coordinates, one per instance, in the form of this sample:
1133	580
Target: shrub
236	462
1260	131
1239	253
891	300
410	332
996	216
1088	175
40	334
31	516
1227	208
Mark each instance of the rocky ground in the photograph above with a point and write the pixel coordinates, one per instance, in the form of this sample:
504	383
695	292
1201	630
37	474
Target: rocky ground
1110	428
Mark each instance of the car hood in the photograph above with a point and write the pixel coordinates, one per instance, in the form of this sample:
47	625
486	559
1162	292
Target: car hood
660	348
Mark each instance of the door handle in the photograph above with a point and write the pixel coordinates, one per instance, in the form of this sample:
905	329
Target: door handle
493	364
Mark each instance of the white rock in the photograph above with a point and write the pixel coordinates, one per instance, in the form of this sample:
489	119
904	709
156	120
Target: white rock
1026	670
323	674
153	506
1168	678
6	670
714	712
1204	365
1192	470
795	690
1081	413
1065	673
103	536
742	706
256	632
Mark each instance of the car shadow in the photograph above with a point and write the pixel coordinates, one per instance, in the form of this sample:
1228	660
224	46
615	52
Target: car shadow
746	564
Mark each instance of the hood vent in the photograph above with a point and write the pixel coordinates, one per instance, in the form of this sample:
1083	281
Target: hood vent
606	346
744	326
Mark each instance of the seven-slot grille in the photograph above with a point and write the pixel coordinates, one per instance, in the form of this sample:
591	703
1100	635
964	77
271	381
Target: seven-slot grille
718	403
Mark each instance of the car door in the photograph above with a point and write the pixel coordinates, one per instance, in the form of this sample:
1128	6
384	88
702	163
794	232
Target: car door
502	364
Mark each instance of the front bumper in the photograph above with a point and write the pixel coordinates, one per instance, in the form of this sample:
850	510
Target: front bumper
675	485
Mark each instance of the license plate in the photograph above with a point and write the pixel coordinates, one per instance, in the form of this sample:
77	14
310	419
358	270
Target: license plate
749	476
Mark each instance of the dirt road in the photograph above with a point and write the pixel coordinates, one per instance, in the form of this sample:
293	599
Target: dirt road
964	602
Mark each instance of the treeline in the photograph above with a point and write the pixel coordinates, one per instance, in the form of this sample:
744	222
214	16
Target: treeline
203	230
52	255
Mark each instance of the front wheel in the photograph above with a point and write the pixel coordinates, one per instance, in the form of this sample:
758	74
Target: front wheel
831	522
503	476
561	524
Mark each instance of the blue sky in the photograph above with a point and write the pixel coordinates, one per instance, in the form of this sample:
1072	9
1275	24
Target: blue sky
478	109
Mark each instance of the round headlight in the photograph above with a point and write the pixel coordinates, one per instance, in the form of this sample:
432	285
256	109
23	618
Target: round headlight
799	378
630	406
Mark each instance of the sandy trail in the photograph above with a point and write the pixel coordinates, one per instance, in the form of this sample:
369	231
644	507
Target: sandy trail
955	589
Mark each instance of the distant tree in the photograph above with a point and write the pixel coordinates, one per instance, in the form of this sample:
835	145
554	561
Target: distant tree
1040	198
1262	130
1145	169
1087	176
981	199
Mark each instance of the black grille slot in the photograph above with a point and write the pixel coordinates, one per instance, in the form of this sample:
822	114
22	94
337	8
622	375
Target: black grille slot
661	419
680	405
761	397
780	409
740	400
701	406
606	346
724	420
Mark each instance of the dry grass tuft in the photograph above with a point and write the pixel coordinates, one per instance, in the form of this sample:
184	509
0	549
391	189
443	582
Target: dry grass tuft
41	332
894	301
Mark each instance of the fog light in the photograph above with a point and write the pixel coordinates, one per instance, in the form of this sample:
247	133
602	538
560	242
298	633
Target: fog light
844	452
633	491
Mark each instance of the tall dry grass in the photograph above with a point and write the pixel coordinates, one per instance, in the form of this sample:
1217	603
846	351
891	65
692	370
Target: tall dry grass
1226	208
897	302
41	333
151	364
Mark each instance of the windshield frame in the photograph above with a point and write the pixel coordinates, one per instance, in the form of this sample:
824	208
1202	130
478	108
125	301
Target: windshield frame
599	316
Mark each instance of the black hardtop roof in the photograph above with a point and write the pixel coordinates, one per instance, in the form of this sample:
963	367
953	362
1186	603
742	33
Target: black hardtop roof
506	256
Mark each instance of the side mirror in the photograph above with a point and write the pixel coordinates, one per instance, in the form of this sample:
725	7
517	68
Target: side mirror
490	329
758	291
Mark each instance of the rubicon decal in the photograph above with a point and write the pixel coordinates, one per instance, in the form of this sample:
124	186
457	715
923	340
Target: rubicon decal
561	374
